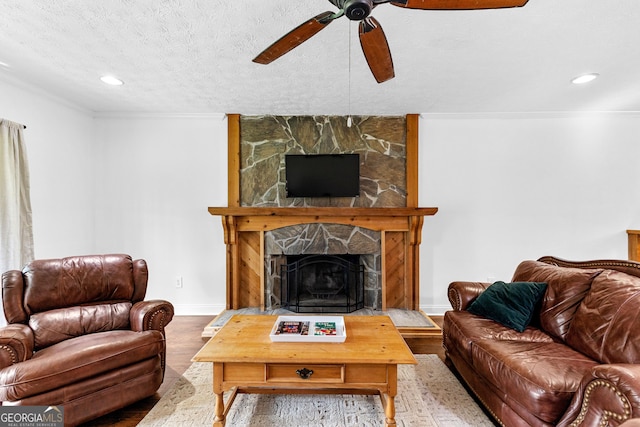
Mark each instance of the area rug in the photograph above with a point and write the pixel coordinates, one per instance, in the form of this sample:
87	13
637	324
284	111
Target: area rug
428	395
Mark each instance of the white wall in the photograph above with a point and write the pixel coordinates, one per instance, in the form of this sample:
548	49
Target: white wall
60	163
59	140
156	176
136	185
511	188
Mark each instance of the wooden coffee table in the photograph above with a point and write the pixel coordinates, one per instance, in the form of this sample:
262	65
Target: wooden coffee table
246	361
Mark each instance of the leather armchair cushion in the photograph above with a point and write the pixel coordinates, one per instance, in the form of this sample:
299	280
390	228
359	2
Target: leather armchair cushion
606	324
54	326
112	388
566	288
550	371
73	360
62	282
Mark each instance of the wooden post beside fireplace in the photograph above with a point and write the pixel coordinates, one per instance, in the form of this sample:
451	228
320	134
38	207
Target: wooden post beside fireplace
401	230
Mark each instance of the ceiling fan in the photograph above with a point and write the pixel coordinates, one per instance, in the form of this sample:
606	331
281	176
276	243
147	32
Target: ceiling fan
372	39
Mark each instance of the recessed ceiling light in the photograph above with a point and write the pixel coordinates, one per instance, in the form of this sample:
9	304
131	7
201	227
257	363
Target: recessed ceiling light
113	81
4	64
585	78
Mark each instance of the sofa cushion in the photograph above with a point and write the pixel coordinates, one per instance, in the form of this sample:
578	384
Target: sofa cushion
76	359
54	326
461	329
566	288
550	371
606	322
510	304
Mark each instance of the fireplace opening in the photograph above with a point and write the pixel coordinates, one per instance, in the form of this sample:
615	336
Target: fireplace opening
322	283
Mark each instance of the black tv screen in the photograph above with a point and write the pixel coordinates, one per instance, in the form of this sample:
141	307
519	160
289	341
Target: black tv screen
322	175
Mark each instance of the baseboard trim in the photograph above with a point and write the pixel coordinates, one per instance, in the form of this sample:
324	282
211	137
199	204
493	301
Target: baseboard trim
198	309
435	310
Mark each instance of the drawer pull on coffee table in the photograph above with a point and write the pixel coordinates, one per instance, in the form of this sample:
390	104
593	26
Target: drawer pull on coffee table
304	373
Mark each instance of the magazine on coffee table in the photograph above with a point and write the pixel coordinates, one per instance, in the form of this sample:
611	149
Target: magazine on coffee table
308	329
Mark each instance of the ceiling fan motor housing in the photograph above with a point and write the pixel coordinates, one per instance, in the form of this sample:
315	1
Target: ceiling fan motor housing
357	10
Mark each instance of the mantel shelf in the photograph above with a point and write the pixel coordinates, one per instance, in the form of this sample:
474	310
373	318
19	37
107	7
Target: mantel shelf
322	211
270	218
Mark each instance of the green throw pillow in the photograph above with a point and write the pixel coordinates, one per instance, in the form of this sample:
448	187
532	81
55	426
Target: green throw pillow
511	304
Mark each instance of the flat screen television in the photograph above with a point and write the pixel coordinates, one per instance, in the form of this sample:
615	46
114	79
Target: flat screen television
322	175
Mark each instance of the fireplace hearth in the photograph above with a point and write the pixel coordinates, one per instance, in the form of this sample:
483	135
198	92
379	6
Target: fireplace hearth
322	283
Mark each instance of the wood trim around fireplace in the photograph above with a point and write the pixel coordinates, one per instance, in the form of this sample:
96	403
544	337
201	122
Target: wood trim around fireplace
412	160
233	154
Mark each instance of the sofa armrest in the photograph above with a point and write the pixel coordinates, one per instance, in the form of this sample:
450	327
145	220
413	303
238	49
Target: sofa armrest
16	344
461	294
152	314
608	395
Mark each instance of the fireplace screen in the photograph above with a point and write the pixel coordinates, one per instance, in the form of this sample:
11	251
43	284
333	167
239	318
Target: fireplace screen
322	283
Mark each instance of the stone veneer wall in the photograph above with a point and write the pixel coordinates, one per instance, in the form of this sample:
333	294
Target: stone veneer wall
380	142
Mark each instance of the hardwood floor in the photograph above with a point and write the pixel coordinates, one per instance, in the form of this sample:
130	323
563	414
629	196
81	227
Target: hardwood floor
183	341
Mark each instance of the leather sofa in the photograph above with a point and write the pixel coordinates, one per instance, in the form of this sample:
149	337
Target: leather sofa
577	360
80	335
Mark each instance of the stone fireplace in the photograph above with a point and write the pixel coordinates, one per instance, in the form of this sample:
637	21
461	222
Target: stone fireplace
264	230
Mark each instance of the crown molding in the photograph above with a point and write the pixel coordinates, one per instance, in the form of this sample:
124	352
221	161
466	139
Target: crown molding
13	80
157	115
531	115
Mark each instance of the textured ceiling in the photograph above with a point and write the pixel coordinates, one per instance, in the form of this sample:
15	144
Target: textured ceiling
194	56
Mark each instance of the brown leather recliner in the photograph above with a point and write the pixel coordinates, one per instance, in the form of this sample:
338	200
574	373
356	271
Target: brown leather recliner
81	336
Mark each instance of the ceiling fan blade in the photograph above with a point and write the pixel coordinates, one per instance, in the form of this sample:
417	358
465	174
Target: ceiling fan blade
376	49
295	37
458	4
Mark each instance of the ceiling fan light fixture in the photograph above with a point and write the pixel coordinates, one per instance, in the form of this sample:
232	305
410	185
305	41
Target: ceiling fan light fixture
584	78
357	10
111	80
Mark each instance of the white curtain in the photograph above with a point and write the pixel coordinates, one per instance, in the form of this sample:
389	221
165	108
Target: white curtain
16	233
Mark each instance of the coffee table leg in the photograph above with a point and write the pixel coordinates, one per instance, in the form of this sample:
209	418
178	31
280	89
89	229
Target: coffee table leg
219	409
219	420
389	410
389	397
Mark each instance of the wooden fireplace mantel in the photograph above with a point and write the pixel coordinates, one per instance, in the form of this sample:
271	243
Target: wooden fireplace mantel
270	218
400	228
